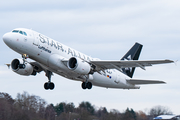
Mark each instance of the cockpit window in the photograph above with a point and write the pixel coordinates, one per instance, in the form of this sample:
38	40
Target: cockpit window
16	31
21	32
25	34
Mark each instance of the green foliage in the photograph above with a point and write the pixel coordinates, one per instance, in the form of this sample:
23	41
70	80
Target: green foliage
87	106
64	107
129	115
59	108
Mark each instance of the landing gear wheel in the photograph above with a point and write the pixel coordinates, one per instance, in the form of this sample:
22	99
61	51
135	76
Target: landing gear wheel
89	85
46	85
83	85
49	85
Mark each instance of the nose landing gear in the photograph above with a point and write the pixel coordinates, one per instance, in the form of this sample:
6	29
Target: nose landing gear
49	85
24	56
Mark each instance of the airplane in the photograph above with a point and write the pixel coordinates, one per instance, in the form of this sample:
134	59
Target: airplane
52	56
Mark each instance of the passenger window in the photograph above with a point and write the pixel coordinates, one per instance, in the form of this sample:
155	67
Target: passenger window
16	31
21	32
25	34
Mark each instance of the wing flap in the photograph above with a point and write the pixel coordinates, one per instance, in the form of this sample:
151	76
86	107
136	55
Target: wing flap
140	82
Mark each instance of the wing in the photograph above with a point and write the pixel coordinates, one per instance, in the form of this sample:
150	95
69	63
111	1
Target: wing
127	64
140	82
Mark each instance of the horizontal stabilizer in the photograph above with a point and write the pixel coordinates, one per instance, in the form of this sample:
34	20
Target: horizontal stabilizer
139	82
8	65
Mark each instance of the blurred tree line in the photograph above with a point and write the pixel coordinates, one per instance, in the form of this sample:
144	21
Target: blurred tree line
31	107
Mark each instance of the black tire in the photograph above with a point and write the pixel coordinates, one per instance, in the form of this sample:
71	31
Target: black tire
22	66
83	85
89	85
46	86
51	86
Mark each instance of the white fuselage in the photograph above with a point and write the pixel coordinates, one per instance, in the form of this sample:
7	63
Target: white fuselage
50	53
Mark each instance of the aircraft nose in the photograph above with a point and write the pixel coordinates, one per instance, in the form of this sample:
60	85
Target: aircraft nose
7	38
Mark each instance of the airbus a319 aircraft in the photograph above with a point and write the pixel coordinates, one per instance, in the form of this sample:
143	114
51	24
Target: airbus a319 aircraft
52	56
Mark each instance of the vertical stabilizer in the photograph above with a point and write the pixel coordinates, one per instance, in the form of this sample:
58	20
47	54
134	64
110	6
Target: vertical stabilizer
132	54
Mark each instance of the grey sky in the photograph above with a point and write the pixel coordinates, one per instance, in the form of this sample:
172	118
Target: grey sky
105	29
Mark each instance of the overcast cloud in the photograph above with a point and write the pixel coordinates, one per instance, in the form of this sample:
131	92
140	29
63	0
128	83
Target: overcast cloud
104	29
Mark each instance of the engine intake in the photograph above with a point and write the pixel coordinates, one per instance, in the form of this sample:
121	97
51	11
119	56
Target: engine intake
20	68
79	66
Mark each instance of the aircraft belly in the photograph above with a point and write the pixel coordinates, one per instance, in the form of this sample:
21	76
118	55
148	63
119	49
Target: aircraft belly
105	80
115	80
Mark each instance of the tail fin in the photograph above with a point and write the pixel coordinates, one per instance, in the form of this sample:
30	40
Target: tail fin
132	54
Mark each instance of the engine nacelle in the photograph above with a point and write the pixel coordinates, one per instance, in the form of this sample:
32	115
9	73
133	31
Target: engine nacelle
79	66
20	68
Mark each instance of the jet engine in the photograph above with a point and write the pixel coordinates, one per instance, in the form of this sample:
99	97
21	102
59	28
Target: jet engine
79	66
19	67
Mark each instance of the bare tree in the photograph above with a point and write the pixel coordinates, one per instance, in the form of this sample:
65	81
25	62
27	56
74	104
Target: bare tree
50	113
29	106
159	110
141	115
102	113
6	109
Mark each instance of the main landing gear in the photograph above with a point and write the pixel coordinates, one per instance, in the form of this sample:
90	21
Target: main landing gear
86	84
49	85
